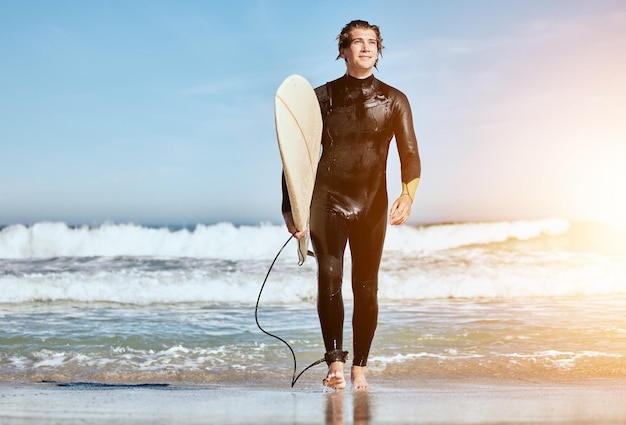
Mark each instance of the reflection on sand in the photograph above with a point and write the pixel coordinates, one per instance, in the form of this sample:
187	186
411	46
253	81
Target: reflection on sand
361	412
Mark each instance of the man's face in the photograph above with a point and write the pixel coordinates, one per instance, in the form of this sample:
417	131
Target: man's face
362	53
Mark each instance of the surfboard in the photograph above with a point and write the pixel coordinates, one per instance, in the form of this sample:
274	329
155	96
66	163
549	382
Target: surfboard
299	132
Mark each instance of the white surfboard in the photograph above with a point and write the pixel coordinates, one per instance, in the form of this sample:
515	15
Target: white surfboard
299	131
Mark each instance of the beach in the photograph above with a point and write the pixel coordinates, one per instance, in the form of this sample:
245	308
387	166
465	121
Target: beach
506	322
388	403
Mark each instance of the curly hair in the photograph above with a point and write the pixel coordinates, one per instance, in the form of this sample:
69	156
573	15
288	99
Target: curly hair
344	38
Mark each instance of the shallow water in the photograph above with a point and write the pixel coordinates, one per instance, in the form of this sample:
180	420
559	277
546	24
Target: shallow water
534	306
526	339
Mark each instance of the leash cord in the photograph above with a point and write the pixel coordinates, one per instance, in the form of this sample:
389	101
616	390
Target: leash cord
294	378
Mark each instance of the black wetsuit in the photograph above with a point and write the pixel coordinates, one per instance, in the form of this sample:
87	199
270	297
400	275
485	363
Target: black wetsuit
350	199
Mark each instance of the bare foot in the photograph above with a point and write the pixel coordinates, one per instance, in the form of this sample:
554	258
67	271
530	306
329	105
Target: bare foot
335	378
358	378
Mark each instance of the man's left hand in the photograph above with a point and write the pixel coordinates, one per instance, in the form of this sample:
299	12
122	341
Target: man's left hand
400	210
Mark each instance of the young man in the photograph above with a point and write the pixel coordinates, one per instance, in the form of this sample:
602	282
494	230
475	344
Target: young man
361	115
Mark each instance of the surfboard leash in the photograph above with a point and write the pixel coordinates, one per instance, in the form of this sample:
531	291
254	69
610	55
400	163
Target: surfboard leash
294	378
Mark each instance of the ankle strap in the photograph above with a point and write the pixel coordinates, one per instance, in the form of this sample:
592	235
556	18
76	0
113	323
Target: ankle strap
335	356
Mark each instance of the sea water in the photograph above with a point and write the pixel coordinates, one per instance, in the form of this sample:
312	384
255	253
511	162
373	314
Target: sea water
125	303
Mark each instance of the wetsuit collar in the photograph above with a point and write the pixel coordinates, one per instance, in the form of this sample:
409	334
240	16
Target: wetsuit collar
358	82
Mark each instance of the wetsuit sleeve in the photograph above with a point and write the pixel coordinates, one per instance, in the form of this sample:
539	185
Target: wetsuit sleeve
410	163
286	204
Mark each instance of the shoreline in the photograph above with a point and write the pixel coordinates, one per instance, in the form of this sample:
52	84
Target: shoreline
433	402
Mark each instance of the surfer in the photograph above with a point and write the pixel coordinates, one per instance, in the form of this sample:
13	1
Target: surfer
361	115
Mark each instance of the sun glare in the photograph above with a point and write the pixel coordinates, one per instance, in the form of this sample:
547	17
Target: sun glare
607	178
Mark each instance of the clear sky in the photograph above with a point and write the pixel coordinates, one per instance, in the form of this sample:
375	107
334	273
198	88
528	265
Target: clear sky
161	112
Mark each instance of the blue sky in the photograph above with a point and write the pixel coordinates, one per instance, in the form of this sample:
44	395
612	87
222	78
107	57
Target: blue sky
161	112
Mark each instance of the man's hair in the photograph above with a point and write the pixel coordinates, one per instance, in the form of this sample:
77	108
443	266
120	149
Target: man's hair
344	39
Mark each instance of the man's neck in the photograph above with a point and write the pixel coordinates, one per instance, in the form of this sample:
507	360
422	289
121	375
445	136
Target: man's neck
361	75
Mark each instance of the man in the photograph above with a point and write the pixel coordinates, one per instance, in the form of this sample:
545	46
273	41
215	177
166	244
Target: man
361	115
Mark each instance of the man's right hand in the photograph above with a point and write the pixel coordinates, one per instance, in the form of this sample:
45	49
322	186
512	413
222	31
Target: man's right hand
288	217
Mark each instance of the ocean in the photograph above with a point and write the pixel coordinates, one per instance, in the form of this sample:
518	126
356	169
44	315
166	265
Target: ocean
523	301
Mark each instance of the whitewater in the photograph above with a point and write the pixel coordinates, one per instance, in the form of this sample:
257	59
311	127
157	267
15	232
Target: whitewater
224	263
229	242
540	299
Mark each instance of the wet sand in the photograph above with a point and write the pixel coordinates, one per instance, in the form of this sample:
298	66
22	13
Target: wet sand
431	403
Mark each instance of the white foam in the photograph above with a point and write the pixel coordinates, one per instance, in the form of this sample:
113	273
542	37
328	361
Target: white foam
223	263
224	240
227	241
469	273
477	273
446	236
